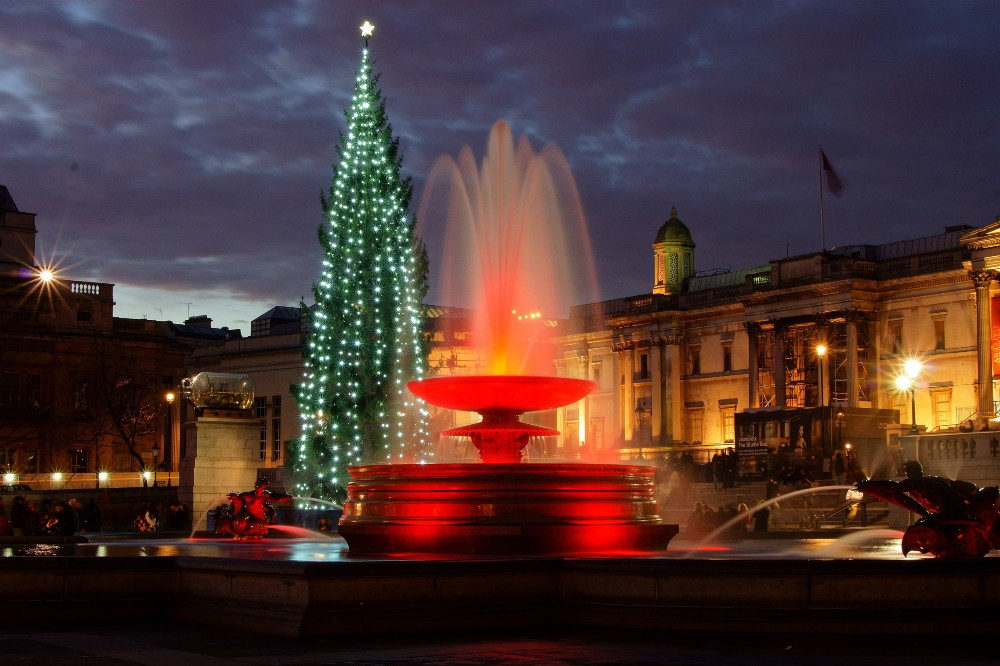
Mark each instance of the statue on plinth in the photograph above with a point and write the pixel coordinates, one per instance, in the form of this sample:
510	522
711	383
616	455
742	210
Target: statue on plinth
249	513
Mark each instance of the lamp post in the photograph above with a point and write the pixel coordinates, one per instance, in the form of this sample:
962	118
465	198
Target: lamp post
156	457
821	398
908	382
168	430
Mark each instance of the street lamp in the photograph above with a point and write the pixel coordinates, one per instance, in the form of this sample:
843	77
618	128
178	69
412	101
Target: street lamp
168	429
820	354
908	382
638	429
156	457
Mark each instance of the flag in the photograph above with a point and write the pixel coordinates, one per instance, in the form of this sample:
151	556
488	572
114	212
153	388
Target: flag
833	182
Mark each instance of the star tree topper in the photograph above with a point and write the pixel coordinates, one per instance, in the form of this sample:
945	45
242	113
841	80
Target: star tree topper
366	30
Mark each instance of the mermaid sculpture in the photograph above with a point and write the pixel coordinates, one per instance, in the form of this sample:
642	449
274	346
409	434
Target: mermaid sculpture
958	519
249	513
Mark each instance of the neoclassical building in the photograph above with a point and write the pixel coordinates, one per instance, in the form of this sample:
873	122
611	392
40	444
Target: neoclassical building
804	351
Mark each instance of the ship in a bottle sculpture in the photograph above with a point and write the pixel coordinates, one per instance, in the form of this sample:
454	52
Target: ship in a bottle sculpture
501	505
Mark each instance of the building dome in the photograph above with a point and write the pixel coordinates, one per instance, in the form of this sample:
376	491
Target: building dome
674	231
673	256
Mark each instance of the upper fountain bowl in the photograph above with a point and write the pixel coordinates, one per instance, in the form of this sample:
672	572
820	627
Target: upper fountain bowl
513	393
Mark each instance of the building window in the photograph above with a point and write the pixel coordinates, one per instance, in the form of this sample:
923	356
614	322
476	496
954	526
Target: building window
260	407
727	358
694	360
263	440
644	366
941	403
275	405
121	462
728	414
275	439
7	459
8	391
83	316
78	461
895	342
29	461
939	342
80	402
596	375
34	390
673	269
695	424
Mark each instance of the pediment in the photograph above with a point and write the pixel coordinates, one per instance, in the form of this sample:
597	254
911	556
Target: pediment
983	237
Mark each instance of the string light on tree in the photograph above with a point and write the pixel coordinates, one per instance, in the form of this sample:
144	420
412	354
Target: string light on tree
365	331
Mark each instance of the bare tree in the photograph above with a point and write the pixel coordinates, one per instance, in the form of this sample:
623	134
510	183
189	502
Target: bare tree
125	408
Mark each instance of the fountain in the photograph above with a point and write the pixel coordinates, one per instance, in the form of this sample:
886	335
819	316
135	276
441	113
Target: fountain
509	223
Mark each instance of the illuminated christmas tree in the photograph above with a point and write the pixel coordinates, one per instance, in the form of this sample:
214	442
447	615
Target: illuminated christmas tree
365	332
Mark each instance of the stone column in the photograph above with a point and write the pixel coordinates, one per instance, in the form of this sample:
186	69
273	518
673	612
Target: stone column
676	364
657	418
753	330
982	279
779	364
852	360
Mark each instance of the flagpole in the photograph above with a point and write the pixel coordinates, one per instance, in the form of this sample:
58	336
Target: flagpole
822	221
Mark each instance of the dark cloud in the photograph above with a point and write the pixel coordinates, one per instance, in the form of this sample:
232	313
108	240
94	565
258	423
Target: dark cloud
182	145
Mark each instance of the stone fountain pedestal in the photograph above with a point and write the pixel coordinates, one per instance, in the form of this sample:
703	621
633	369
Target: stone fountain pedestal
502	506
503	509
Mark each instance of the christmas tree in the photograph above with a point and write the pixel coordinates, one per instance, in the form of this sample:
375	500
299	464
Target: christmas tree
365	332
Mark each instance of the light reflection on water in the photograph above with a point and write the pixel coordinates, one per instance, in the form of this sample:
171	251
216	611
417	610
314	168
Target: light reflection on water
880	544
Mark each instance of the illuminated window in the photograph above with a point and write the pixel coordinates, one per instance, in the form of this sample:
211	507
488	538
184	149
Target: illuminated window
728	414
941	402
695	419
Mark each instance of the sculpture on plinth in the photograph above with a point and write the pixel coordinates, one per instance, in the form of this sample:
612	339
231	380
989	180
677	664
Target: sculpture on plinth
249	514
958	519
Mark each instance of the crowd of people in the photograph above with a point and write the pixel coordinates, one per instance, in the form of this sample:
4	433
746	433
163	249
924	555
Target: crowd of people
154	518
728	520
47	518
27	517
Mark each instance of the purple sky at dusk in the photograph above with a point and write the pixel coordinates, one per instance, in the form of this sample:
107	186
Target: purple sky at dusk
178	148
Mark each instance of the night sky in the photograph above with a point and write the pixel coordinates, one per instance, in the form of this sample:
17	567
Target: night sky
178	149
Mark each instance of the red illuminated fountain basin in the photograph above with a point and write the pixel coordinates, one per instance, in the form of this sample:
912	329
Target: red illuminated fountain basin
500	399
501	506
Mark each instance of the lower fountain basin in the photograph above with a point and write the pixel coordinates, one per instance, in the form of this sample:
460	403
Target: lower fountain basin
541	509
